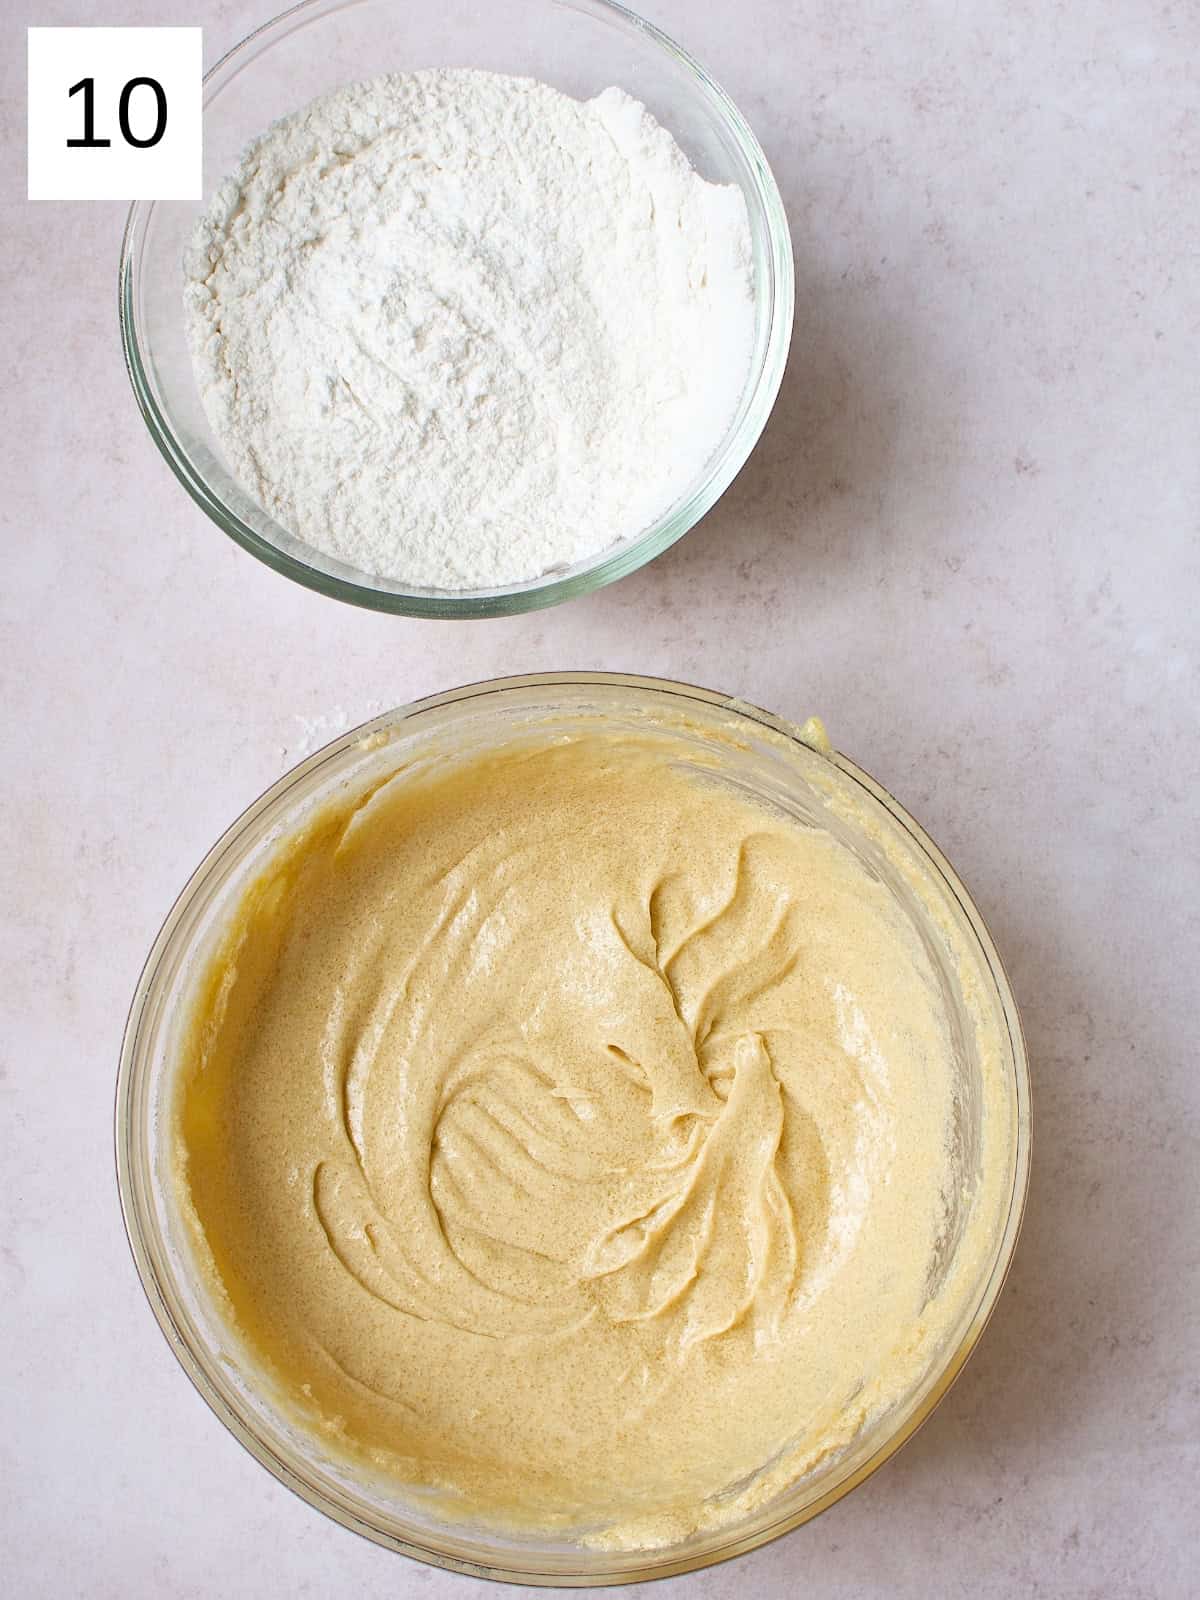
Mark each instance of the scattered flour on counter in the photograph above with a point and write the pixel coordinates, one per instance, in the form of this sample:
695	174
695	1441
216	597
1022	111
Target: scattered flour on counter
460	330
313	732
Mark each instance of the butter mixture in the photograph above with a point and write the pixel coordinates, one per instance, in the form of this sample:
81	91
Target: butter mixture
570	1134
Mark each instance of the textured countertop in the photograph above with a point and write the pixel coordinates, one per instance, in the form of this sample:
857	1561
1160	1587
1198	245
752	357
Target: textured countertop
968	538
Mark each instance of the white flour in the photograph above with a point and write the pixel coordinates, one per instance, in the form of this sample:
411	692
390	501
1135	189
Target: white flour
459	329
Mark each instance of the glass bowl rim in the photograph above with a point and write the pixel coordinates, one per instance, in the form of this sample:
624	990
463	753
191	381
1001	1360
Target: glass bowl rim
140	1226
759	394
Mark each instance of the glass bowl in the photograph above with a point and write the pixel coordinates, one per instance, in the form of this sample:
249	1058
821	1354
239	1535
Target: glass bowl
769	757
580	47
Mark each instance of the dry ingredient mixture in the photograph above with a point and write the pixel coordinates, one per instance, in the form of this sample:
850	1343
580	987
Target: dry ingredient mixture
568	1133
459	330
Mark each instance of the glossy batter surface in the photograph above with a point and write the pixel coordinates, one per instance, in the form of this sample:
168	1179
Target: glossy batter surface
569	1133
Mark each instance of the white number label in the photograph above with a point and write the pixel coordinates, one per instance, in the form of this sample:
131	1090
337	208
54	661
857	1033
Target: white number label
115	113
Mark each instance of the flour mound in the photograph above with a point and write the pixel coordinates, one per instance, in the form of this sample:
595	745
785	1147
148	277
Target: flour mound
460	330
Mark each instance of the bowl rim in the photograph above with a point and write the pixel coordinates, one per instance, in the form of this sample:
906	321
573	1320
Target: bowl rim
758	396
639	1566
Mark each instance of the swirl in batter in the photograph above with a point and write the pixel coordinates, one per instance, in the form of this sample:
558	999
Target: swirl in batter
568	1132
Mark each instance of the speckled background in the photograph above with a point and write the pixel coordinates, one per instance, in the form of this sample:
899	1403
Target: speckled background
968	539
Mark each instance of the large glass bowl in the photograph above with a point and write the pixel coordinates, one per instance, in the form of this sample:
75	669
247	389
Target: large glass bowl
579	46
756	751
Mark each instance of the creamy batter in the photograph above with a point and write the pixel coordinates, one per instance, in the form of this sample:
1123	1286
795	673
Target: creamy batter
571	1134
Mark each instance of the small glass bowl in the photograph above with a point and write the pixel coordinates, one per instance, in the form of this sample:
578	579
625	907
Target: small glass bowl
580	47
760	753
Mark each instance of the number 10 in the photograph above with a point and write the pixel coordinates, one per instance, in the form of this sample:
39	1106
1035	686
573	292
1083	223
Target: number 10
90	141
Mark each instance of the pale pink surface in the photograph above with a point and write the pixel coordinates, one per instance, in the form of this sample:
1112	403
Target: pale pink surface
968	539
